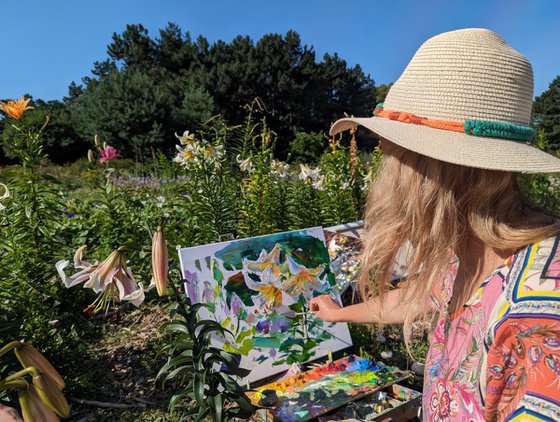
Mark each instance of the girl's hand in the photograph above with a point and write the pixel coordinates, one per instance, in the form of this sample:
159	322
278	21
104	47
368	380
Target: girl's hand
325	308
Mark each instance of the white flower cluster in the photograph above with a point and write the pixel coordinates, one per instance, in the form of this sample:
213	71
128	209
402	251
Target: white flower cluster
312	176
245	165
280	169
193	152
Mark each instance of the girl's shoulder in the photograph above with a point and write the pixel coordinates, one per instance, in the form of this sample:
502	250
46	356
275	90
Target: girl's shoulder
534	275
531	291
523	338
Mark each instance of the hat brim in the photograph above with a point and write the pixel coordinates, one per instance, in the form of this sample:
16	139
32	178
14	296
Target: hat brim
457	148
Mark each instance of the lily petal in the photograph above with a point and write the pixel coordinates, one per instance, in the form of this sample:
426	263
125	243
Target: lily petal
60	265
78	263
80	277
137	296
6	192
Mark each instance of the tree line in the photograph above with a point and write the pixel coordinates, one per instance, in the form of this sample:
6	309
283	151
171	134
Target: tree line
149	88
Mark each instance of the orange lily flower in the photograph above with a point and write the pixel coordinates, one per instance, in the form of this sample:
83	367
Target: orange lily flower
16	109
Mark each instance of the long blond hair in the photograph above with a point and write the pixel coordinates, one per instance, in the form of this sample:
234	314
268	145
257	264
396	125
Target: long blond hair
436	206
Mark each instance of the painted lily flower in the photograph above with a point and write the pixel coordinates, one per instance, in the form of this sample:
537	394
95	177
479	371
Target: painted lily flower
303	280
5	195
264	261
111	278
16	109
270	295
160	262
108	153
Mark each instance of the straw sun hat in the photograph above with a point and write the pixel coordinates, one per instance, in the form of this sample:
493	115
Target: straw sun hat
464	98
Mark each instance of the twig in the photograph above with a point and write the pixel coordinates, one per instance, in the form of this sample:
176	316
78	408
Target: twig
139	400
107	404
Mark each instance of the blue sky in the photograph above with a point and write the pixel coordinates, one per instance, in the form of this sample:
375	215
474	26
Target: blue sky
48	44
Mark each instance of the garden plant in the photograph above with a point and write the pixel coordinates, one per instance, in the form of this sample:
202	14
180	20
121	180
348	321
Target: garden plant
99	235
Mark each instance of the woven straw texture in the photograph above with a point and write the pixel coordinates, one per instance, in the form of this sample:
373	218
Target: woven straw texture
469	74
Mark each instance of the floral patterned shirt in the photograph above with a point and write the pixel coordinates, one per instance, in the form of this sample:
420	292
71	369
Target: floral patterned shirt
498	358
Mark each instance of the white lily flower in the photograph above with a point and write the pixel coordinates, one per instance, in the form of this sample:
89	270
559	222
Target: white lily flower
311	175
112	278
5	195
245	165
280	169
186	138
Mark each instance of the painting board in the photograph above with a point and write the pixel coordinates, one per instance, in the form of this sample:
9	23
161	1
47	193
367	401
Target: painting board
259	289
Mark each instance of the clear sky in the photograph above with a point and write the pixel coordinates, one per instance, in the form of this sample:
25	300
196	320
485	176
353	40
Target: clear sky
48	44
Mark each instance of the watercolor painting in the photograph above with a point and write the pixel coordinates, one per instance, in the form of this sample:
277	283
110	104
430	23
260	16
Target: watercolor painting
310	394
344	253
259	290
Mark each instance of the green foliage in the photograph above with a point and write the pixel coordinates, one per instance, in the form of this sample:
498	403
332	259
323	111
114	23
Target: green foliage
197	106
204	374
59	141
307	147
381	93
224	183
546	113
542	190
35	307
197	78
338	204
126	109
263	188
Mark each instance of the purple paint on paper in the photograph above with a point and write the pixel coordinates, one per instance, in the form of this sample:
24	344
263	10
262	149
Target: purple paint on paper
191	281
263	326
236	304
281	326
207	294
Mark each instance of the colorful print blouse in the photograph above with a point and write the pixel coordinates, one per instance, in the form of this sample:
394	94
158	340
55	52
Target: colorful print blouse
498	358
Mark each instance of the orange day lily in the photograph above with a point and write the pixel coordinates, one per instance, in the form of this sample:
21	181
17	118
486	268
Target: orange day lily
16	109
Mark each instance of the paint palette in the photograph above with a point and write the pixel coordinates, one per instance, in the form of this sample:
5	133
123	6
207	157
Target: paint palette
310	394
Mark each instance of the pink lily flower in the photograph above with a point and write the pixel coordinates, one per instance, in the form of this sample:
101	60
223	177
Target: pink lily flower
112	278
108	153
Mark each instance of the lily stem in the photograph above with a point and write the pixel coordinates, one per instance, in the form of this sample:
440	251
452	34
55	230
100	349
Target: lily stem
9	346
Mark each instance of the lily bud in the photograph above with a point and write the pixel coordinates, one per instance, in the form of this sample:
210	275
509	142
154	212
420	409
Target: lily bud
29	356
96	140
90	157
160	261
50	395
33	409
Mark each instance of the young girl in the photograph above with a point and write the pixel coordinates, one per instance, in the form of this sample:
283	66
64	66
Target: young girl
485	265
